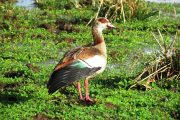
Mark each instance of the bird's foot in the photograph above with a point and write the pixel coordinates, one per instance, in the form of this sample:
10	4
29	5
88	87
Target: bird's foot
81	98
88	99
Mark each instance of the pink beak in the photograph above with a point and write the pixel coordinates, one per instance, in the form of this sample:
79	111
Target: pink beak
110	26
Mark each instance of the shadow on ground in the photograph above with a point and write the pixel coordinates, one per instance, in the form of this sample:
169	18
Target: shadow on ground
12	97
115	82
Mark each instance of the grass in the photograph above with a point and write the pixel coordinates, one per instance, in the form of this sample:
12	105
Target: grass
32	42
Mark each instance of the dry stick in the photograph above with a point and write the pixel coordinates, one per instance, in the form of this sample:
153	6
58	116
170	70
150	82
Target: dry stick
139	76
90	21
175	15
170	47
165	52
158	42
93	3
149	75
162	49
96	13
122	9
165	69
116	12
156	66
178	76
109	10
172	42
99	9
159	14
162	39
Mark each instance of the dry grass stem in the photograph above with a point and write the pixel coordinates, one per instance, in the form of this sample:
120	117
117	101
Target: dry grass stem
165	65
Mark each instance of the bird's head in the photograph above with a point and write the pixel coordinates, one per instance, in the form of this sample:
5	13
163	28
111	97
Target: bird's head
103	23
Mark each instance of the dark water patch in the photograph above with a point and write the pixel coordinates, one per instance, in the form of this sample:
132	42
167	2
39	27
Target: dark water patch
88	103
64	25
14	74
61	24
49	27
12	97
64	90
4	86
45	26
169	84
176	114
140	88
7	57
72	19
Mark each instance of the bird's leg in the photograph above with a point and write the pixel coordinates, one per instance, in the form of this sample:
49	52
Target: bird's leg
79	90
87	98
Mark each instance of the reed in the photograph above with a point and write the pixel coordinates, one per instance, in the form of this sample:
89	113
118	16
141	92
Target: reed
166	65
118	10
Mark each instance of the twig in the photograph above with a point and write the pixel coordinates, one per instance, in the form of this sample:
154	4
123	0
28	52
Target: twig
149	75
158	42
175	15
96	13
122	9
172	42
162	39
90	21
139	76
109	10
99	9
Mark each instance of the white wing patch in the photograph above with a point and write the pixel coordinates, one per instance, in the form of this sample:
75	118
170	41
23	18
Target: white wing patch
97	61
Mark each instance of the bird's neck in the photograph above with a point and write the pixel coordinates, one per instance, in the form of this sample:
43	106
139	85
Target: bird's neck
98	38
97	35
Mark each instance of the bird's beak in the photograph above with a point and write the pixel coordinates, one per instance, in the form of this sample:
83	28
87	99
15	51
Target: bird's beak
110	26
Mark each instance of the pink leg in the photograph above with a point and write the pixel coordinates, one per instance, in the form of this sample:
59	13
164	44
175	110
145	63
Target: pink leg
87	98
79	90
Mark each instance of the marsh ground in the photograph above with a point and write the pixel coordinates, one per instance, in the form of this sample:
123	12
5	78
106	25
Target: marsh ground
33	41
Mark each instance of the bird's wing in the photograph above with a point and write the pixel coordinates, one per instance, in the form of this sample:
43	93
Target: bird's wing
69	72
82	53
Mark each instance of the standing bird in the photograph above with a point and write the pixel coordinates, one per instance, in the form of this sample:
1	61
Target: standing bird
82	62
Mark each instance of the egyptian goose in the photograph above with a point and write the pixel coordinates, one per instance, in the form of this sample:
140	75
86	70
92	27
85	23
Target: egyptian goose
82	62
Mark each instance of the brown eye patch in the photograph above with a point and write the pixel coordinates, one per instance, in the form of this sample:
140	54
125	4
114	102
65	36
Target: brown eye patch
103	20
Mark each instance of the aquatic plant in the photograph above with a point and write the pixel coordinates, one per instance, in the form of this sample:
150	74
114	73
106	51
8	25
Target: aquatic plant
32	42
165	67
119	10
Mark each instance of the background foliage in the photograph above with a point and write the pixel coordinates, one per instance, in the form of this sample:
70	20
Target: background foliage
33	41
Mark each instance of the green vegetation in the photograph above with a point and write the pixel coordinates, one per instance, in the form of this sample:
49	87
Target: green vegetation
33	41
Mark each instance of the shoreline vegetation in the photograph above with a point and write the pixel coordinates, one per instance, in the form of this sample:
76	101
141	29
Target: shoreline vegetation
141	80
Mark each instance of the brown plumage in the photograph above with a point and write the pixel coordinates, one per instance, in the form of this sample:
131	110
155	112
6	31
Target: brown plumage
82	62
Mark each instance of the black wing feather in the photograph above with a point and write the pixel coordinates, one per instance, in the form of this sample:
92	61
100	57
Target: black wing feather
67	75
